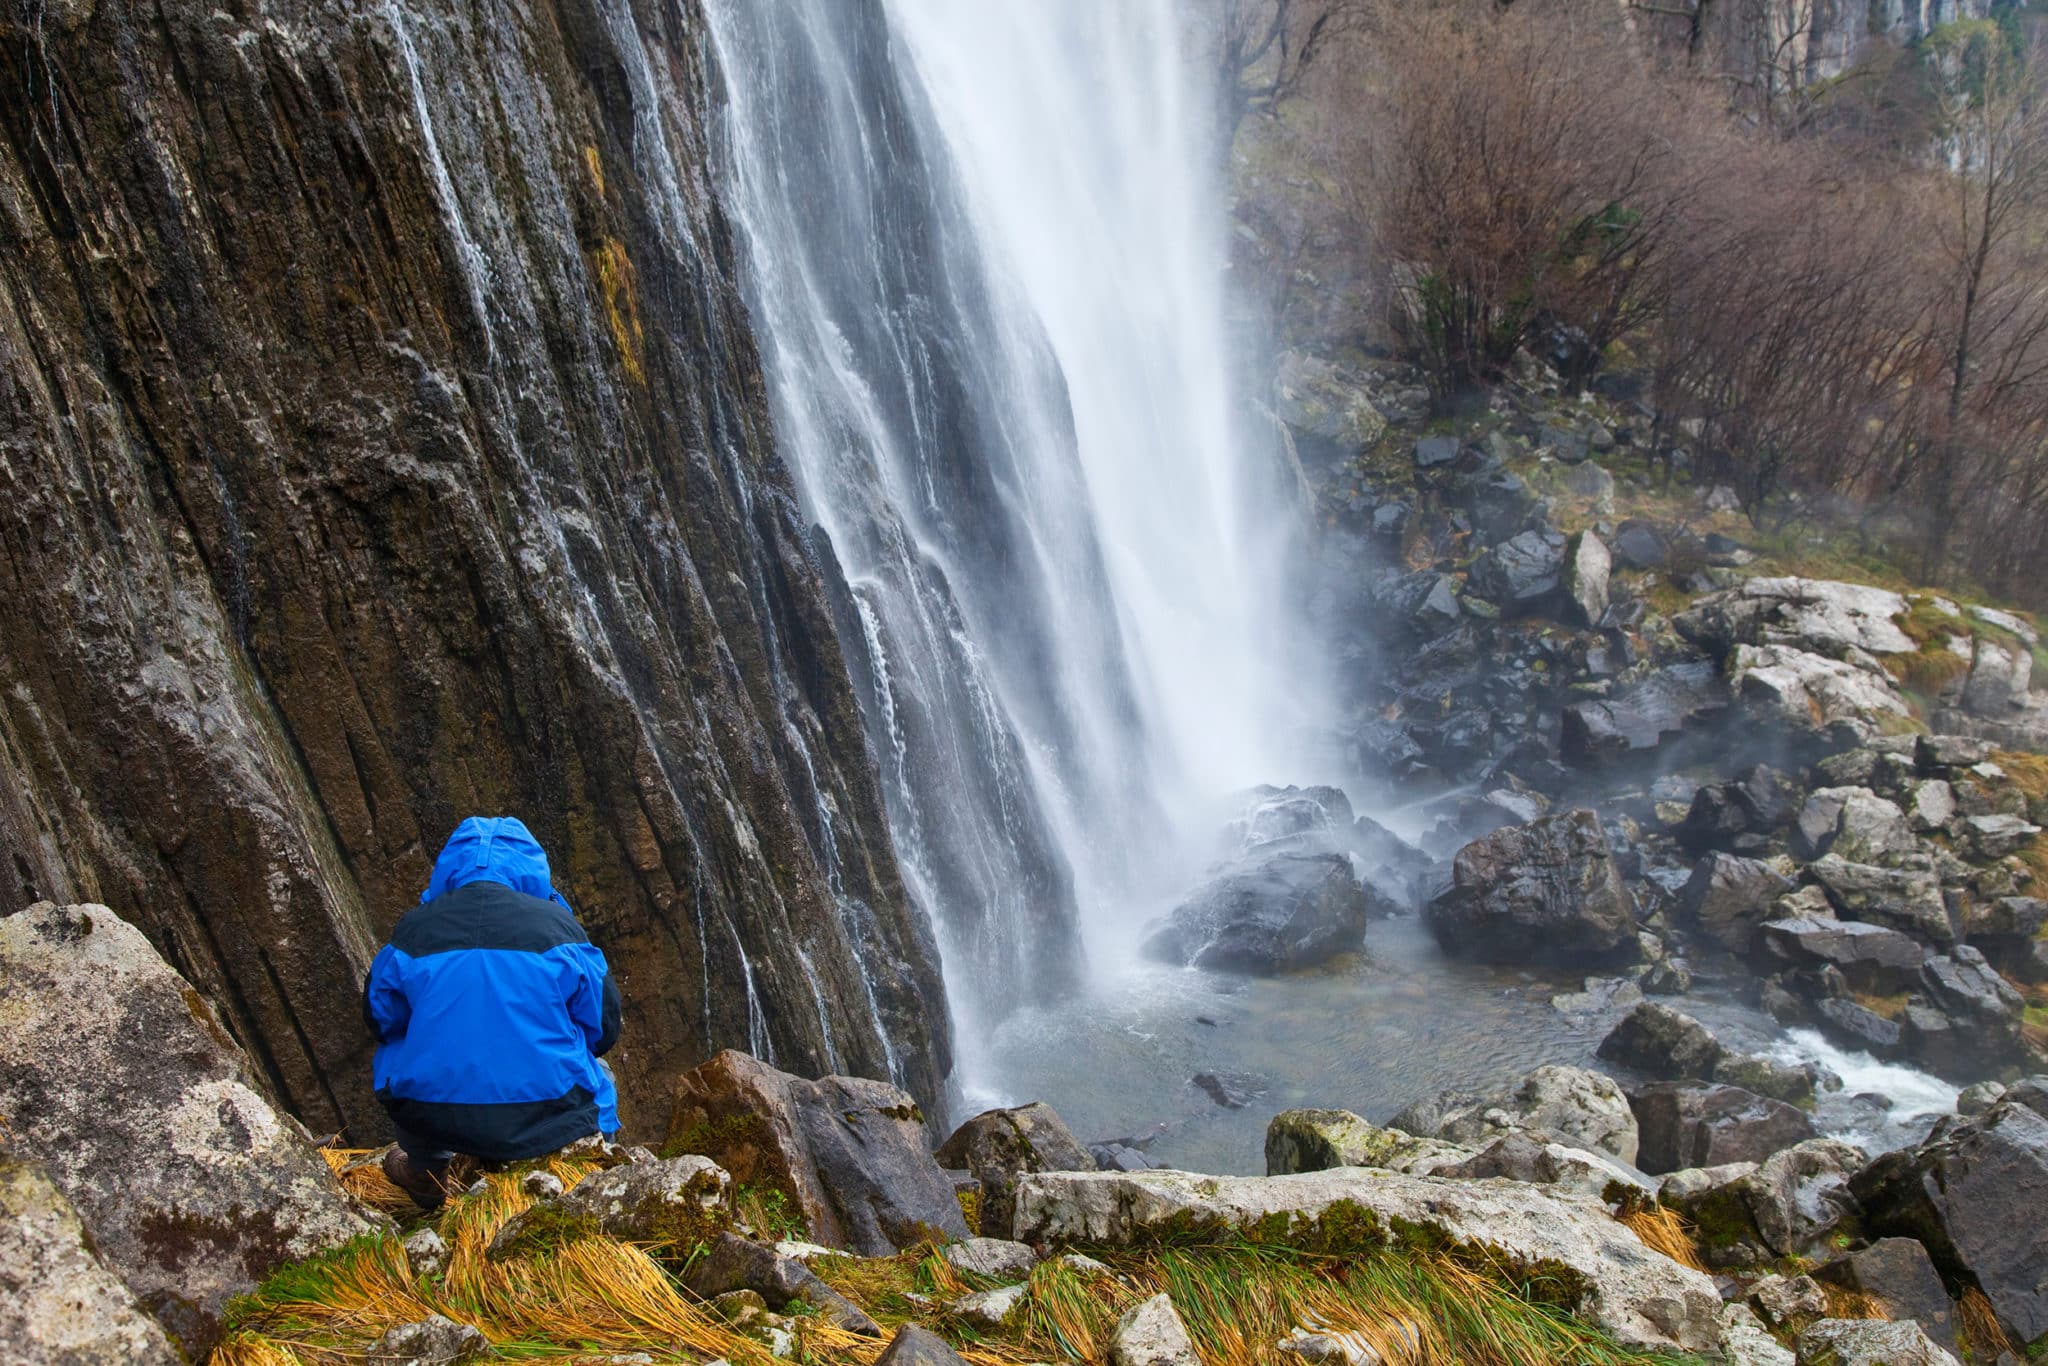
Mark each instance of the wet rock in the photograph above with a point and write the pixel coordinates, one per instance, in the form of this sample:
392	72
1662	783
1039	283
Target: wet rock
1587	568
998	1145
1806	694
1641	545
63	1306
916	1346
1749	1213
659	1203
1641	1298
151	1120
1707	1126
1547	891
1792	1083
732	1263
1151	1334
996	1258
1643	717
1522	573
1231	1090
1319	1140
1820	616
1869	1342
1861	1027
848	1152
1663	1043
1591	482
1280	914
1971	1194
1910	902
1870	829
433	1341
1975	1100
1322	402
1899	1273
1731	897
989	1310
1870	957
1119	1157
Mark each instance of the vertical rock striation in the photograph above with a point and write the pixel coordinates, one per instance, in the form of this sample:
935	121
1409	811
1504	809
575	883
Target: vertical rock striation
382	441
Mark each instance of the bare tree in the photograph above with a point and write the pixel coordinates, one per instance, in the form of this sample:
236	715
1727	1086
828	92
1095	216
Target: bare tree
1264	49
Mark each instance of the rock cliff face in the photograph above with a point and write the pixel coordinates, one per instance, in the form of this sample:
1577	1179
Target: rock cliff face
382	441
1818	40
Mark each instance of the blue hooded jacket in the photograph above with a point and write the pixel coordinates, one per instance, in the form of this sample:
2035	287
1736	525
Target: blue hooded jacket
491	1006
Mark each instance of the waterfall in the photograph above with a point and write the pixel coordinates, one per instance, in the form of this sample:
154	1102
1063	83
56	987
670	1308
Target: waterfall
984	258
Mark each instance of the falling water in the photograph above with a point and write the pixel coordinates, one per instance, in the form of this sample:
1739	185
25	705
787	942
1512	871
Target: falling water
985	263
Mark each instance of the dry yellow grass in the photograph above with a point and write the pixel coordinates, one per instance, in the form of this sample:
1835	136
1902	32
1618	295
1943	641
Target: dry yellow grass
1666	1231
1844	1303
587	1299
1977	1325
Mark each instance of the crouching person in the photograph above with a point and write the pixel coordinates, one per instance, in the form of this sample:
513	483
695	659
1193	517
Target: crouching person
491	1009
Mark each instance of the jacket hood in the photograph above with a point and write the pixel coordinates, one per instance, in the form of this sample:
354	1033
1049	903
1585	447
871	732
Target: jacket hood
493	849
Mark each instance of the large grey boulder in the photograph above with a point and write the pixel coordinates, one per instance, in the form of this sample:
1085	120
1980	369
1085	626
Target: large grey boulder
1972	1194
1588	568
1523	1157
1663	1044
848	1152
59	1303
120	1081
1872	829
1574	1106
1869	1342
995	1259
1831	619
1642	1297
1731	896
1708	1126
1898	1272
1521	573
1870	957
1811	695
996	1146
917	1346
1898	899
1273	914
664	1202
1548	891
1319	1140
1788	1205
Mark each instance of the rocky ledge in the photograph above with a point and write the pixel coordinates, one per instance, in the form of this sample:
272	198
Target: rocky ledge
812	1219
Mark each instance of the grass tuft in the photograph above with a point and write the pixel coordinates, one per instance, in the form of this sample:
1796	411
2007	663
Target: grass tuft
1666	1231
1844	1303
1977	1325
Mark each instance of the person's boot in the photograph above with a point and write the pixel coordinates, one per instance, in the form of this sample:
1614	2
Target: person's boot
421	1182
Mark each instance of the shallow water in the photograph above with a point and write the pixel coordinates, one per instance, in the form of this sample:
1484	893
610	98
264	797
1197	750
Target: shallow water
1394	1026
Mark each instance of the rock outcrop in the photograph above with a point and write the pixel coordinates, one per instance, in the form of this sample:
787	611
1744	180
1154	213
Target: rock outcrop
1640	1296
847	1152
382	441
121	1082
998	1146
61	1305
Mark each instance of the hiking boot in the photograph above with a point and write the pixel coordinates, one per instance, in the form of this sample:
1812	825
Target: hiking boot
417	1179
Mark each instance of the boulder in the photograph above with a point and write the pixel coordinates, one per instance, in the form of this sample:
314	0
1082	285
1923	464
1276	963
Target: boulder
1664	1044
1906	901
1280	913
1587	568
1641	545
1319	1140
1731	896
1972	1194
1521	573
2000	678
1809	694
1819	817
1869	1342
1748	1213
1640	718
916	1346
1570	1105
1898	1273
1791	1301
989	1310
733	1263
1746	1342
61	1304
123	1084
1434	451
1151	1334
1546	891
1994	836
1830	619
1519	1156
661	1203
1793	1083
997	1146
1946	753
1870	957
1872	829
996	1259
435	1340
1641	1297
849	1153
1706	1126
1931	806
1322	403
